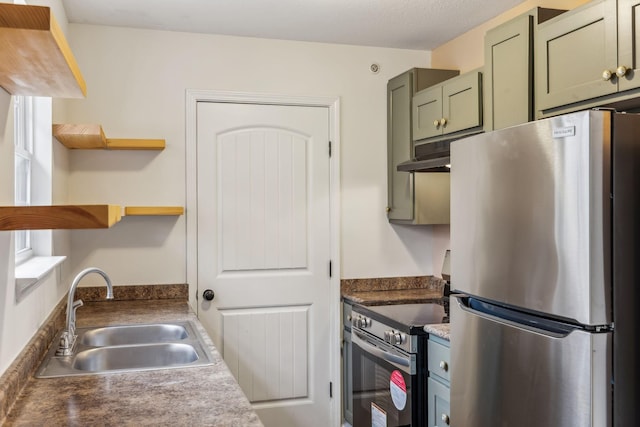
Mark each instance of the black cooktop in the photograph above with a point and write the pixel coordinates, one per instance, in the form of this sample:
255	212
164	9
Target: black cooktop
410	318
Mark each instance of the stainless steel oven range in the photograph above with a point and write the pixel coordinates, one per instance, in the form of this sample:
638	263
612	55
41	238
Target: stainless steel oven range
389	372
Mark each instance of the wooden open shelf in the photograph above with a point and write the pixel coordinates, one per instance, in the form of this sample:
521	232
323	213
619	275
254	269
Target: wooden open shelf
92	136
58	217
153	210
35	58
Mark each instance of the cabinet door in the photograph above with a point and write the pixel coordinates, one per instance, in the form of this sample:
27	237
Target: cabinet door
572	53
629	43
427	112
462	102
508	78
438	406
400	184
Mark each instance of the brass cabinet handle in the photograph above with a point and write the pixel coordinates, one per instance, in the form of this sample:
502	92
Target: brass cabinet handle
621	71
606	75
443	121
388	209
436	123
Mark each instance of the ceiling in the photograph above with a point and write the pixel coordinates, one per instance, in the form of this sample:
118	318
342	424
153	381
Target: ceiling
405	24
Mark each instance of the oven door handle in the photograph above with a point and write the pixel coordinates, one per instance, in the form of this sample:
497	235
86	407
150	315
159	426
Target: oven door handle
399	362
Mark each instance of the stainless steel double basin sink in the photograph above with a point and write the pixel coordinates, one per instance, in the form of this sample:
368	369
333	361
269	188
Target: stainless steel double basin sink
136	347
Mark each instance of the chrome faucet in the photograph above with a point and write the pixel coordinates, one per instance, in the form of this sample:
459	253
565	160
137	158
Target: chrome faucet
68	337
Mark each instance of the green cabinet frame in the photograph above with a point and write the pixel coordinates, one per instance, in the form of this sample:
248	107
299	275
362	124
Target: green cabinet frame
401	206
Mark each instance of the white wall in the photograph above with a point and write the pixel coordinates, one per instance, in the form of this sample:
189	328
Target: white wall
136	83
19	321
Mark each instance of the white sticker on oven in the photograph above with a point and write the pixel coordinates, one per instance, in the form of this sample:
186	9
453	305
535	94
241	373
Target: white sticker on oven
378	416
398	389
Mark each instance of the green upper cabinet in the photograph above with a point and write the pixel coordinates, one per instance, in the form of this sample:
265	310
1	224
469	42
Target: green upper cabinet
451	108
587	56
508	70
400	92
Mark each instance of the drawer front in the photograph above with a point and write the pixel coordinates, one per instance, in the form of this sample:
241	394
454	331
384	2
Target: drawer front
438	356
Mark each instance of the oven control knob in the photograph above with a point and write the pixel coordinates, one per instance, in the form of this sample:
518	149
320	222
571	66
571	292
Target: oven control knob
361	322
387	336
397	338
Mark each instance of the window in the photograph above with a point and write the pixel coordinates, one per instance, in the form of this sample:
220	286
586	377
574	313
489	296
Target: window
33	186
23	131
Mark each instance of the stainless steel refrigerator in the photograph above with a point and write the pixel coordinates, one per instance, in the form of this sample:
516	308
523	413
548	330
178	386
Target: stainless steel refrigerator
545	258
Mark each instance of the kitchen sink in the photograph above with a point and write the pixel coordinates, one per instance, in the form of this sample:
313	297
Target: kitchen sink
132	334
126	348
145	356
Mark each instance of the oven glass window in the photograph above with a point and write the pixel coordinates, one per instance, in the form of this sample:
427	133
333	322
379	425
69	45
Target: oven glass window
381	391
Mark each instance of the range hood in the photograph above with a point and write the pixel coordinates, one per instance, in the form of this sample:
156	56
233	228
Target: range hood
428	157
433	156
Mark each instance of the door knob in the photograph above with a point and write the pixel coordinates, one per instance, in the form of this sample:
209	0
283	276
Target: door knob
208	294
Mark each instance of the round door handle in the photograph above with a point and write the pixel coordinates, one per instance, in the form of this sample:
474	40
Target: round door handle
606	75
621	71
443	121
208	294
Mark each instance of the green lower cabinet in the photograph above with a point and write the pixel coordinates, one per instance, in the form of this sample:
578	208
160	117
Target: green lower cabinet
438	393
438	406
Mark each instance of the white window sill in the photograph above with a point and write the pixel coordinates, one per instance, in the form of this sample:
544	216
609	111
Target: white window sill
32	271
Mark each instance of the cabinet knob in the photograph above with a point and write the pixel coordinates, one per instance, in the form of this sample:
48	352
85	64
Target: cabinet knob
444	365
436	123
621	71
443	121
606	75
445	419
388	209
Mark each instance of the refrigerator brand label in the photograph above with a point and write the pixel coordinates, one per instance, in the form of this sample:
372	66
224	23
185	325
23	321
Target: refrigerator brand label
564	132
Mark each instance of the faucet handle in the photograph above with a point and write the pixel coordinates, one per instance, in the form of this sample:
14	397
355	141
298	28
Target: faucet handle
77	303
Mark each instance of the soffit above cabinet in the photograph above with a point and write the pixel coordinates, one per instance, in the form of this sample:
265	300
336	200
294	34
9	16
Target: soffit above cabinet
35	58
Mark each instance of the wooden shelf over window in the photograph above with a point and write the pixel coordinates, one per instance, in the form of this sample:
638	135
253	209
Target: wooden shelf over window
58	217
35	58
153	210
92	137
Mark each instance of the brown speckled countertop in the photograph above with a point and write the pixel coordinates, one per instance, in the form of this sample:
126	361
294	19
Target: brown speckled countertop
397	290
202	396
392	290
441	330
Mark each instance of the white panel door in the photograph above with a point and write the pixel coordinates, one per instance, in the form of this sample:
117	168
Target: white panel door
264	248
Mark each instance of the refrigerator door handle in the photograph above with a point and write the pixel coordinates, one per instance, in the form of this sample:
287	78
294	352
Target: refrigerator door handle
516	319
